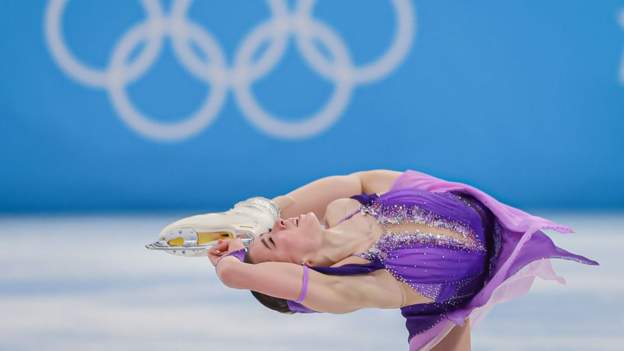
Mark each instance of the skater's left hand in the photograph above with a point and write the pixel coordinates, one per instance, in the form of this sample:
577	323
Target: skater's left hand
224	247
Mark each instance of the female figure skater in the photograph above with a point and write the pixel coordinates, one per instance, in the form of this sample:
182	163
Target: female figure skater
442	252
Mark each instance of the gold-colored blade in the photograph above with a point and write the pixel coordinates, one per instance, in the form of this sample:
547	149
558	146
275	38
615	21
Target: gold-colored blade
206	237
202	238
179	241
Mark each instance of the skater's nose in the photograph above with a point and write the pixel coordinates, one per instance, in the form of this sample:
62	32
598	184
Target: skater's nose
279	224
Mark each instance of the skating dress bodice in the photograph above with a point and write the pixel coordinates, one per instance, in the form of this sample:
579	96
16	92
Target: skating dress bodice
448	269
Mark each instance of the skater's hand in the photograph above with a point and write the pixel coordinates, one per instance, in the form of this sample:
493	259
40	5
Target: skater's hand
224	247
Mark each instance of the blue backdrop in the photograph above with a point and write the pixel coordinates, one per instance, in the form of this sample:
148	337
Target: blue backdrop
121	105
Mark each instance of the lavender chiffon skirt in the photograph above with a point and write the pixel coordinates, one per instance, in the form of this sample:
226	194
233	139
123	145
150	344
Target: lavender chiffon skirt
525	253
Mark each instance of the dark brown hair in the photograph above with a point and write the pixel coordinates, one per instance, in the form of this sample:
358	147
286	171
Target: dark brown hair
274	303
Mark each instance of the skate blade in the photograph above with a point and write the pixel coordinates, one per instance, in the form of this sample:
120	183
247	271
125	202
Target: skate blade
194	244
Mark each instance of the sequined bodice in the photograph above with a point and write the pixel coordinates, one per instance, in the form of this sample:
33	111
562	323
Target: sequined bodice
447	262
392	217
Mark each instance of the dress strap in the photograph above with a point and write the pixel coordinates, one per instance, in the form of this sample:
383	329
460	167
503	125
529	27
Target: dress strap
364	199
350	268
349	215
304	287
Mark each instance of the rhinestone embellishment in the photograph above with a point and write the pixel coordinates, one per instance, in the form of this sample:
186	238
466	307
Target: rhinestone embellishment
390	240
400	214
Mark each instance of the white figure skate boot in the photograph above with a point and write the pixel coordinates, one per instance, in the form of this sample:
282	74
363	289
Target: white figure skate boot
193	236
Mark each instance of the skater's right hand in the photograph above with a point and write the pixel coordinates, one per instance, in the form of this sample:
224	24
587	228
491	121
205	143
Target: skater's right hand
216	252
224	247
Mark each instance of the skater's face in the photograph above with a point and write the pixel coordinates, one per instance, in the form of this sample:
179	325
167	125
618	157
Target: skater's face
290	240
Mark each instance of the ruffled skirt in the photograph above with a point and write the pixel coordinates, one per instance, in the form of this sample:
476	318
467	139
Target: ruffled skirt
522	252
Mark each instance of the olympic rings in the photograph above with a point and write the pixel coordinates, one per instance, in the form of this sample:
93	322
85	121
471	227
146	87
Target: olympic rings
275	31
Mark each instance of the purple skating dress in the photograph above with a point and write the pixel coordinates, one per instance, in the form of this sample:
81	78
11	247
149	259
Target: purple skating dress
502	251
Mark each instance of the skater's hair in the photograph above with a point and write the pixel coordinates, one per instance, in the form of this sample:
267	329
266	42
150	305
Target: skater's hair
275	303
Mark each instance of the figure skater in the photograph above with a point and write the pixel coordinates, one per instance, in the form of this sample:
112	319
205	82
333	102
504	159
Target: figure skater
442	252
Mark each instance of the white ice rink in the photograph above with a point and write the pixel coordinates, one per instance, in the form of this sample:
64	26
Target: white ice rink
87	283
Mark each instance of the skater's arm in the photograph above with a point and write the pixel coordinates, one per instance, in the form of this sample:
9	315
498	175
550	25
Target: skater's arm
284	280
325	293
377	180
316	195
